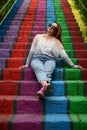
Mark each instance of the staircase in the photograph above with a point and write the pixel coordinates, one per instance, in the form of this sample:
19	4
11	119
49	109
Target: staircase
66	106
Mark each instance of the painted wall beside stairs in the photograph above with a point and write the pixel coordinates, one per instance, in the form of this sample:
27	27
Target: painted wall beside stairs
65	108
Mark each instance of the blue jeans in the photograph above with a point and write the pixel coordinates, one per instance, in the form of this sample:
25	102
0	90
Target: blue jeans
43	67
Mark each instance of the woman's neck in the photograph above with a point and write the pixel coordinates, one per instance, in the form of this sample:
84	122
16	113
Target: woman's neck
48	35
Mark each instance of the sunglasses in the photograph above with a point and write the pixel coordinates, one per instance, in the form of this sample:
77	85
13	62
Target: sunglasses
53	27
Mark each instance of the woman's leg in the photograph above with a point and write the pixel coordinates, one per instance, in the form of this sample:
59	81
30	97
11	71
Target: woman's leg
39	70
49	67
43	72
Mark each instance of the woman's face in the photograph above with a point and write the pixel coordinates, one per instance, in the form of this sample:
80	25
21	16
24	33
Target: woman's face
52	29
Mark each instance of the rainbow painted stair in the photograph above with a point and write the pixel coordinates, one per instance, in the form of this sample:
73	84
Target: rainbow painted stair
66	106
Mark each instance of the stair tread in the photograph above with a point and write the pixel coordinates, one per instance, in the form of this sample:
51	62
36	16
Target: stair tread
35	98
38	117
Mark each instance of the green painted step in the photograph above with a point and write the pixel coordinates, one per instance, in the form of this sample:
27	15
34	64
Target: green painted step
75	87
79	121
72	74
69	74
77	104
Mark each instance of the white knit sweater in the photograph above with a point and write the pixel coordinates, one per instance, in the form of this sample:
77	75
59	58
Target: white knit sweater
49	46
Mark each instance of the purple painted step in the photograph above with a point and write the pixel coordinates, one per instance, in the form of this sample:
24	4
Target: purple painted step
2	63
6	45
29	87
4	53
12	27
27	122
16	22
27	104
10	38
12	33
29	74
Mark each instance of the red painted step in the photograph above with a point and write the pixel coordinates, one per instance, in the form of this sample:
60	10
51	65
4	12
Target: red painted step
13	87
4	119
79	46
5	106
81	53
18	74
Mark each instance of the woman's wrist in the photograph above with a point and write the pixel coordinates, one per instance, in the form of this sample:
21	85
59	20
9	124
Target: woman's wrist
25	65
77	66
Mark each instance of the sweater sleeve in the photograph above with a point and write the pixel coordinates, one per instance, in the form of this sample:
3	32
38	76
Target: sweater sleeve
32	50
66	58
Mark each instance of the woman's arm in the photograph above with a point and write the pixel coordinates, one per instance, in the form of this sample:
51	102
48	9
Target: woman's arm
66	58
31	52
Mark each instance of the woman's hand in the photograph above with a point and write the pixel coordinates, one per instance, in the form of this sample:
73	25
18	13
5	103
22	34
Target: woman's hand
77	66
24	66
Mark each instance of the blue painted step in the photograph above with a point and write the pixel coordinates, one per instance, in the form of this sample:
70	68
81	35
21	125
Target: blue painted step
57	122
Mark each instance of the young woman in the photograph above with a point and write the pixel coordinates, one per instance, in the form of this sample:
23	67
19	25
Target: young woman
45	49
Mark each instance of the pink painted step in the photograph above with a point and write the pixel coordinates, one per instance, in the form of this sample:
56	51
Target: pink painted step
27	122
